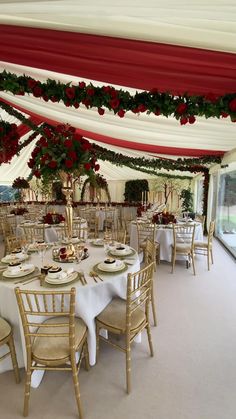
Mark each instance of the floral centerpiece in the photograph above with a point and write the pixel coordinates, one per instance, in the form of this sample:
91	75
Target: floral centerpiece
9	141
53	218
62	150
19	211
20	183
163	218
142	208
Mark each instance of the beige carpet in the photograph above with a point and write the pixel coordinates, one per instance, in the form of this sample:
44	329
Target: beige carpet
193	373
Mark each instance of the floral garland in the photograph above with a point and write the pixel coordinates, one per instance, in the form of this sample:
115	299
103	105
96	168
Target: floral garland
9	141
61	149
98	181
20	183
184	107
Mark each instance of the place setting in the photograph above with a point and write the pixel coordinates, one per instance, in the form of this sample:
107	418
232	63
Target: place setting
56	276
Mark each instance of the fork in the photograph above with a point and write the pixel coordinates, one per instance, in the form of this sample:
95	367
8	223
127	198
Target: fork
93	275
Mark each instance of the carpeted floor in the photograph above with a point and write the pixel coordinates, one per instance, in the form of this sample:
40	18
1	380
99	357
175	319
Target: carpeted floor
193	372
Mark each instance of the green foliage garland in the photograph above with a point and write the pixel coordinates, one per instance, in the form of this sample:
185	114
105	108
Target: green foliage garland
182	107
97	181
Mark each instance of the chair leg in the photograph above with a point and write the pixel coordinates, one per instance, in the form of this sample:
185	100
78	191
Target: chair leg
153	307
76	385
128	365
86	355
97	341
192	256
208	259
13	358
212	257
27	389
173	260
149	339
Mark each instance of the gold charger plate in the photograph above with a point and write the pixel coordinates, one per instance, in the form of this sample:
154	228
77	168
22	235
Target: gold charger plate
97	270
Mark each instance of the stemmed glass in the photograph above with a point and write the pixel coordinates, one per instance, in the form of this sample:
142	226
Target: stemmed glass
107	240
42	247
79	251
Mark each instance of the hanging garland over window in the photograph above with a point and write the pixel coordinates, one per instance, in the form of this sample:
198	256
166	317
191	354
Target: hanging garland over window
99	182
184	107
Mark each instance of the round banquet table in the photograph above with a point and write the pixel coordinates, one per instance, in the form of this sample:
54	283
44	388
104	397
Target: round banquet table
91	299
164	236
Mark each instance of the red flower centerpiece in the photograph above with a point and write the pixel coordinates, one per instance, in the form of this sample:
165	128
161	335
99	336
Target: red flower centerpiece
61	149
19	211
163	218
9	141
53	218
20	183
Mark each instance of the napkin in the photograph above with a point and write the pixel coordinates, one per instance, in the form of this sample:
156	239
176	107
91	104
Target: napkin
14	256
64	274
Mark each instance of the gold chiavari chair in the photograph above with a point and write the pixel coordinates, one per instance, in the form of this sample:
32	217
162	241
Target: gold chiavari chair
201	219
6	338
147	230
128	317
183	243
205	247
149	257
13	243
54	342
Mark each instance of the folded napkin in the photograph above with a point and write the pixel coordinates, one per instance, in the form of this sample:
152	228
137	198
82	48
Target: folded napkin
13	256
64	274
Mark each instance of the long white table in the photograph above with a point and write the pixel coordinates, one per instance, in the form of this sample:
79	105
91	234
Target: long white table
90	299
164	236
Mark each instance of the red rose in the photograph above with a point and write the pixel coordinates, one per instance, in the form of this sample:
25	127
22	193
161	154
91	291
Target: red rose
114	103
101	111
31	83
121	113
85	145
232	105
70	92
181	108
96	167
60	129
46	98
158	112
48	132
224	114
183	120
54	99
31	163
87	166
37	91
90	91
69	164
113	93
86	102
76	105
142	108
191	119
53	164
135	110
68	143
72	155
82	85
106	89
37	173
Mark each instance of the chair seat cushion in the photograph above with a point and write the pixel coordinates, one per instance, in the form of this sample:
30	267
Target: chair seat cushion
53	348
183	248
5	329
114	315
203	245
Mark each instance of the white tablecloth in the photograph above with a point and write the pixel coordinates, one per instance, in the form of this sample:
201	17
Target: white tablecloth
164	236
90	299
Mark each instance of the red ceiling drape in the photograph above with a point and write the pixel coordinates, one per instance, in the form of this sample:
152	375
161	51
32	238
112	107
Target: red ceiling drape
138	64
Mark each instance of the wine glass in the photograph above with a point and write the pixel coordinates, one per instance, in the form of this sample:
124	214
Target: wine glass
79	251
42	247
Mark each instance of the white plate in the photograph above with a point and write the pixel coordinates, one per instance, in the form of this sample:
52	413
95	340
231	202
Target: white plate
124	252
57	281
97	242
106	267
22	272
7	259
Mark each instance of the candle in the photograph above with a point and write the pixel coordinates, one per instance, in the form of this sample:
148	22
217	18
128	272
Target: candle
142	198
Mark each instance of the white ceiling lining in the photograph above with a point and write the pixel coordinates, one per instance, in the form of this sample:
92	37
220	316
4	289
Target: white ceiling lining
195	23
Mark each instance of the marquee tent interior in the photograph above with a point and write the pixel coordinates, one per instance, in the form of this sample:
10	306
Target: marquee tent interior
177	49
